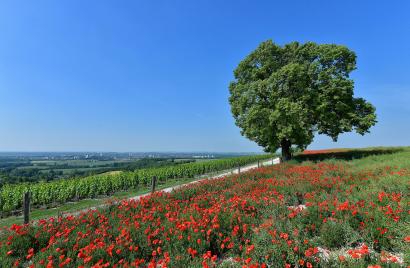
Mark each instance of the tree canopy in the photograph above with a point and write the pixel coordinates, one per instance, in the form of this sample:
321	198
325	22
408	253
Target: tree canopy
282	95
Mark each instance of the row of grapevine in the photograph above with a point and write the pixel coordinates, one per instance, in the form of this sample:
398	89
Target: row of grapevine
60	191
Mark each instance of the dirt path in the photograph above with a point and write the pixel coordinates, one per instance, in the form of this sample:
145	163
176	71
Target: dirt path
269	162
220	174
272	161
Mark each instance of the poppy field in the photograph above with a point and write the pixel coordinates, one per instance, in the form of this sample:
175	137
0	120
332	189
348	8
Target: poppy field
331	213
64	190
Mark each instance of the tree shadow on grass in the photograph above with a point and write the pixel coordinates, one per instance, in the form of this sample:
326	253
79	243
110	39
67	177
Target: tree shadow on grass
345	155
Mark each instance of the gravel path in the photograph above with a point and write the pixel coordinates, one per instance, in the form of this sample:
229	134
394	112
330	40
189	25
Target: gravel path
269	162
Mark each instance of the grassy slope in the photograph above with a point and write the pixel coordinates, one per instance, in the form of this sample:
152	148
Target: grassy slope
359	159
37	214
358	162
71	207
373	160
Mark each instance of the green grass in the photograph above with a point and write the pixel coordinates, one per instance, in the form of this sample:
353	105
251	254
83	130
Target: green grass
70	170
340	233
73	167
72	207
393	156
399	159
364	157
358	159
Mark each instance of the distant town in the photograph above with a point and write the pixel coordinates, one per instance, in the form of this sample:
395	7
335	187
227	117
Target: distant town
117	155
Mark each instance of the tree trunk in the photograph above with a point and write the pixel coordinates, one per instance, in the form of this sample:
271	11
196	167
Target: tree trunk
286	153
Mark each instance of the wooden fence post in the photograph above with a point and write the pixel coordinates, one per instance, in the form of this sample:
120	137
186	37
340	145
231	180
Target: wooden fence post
26	207
258	164
239	169
153	184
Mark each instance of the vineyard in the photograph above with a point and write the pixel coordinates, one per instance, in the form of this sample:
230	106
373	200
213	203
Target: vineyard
61	191
332	213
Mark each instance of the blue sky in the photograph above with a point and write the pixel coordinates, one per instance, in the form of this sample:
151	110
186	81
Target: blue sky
154	75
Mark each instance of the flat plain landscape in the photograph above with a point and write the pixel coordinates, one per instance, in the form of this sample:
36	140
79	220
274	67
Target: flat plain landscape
20	167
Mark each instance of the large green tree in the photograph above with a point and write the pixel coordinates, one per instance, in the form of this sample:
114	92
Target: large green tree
283	95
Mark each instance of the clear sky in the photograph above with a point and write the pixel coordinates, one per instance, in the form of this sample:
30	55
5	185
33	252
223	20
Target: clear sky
153	75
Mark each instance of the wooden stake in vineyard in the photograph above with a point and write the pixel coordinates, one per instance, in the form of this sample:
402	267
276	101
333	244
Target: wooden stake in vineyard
26	207
258	164
59	215
153	184
239	169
